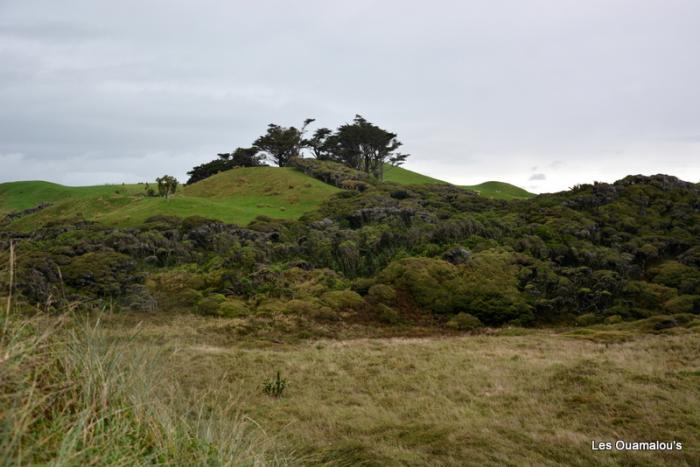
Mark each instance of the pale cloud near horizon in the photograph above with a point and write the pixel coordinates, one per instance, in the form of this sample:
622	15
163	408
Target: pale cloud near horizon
99	91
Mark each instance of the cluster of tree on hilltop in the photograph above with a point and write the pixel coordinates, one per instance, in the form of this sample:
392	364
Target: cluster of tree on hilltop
360	145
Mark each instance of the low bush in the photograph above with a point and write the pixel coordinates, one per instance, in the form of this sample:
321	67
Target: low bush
464	322
343	300
381	293
387	314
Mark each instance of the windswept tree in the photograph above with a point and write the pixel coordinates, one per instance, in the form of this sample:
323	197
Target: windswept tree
319	144
241	157
280	144
398	159
364	146
167	186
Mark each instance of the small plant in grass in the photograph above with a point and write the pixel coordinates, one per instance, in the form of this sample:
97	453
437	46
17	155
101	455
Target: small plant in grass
276	386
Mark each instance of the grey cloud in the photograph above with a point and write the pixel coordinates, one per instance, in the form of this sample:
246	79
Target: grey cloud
537	177
475	90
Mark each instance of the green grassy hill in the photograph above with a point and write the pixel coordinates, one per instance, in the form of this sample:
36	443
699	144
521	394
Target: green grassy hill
495	190
500	190
407	177
235	196
15	196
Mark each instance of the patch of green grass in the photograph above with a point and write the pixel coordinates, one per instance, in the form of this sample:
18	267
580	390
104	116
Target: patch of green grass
236	196
494	190
15	196
407	177
500	190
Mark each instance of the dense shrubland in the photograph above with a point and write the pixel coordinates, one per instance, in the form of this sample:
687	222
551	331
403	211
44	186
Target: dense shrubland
391	253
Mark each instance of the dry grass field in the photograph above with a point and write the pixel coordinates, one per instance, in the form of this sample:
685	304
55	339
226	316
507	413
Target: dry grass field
510	397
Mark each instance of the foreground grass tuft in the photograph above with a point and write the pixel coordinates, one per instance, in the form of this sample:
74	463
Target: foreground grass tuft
69	398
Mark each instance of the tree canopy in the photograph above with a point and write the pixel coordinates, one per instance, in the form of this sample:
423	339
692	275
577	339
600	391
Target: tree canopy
241	157
167	186
282	143
360	145
364	146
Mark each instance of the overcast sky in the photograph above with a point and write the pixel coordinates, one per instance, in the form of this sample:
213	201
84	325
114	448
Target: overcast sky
543	94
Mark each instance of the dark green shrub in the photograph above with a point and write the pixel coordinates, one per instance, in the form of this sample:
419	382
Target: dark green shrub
588	319
683	304
429	281
326	313
387	314
487	287
647	295
343	300
210	304
362	285
613	319
100	273
464	322
381	293
232	308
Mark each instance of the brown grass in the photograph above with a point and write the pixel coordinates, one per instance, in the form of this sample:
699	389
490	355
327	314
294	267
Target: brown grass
514	397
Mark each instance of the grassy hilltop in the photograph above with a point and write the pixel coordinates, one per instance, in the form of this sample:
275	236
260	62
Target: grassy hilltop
235	196
500	190
494	190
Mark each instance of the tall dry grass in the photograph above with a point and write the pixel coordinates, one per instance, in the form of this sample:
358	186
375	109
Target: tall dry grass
68	397
515	397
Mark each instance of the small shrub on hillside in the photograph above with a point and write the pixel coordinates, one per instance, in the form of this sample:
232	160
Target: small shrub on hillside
647	295
302	307
276	386
101	273
362	285
343	300
683	304
232	308
210	304
674	274
464	322
613	319
272	306
326	313
486	288
387	314
588	319
381	293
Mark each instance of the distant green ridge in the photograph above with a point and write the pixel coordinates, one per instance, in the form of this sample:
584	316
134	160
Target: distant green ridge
500	190
495	190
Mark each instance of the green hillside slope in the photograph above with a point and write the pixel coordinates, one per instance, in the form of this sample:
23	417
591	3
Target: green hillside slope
500	190
235	196
495	190
406	177
15	196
